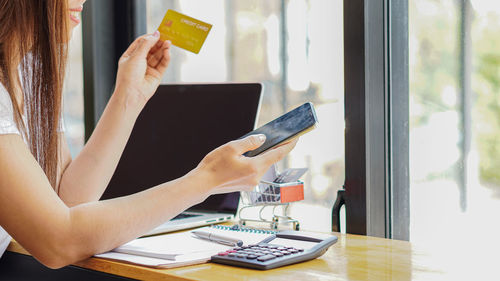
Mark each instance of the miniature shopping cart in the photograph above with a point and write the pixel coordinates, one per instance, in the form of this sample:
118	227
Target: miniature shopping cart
277	196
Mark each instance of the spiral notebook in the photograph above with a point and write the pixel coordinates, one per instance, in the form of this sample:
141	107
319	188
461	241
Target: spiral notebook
245	234
180	249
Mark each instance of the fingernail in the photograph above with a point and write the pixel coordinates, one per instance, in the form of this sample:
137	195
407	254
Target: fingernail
156	34
262	138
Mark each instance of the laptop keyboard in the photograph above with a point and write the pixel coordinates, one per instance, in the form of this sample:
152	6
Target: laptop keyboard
183	216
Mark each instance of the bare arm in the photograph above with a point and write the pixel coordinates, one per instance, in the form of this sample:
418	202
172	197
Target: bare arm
55	234
85	178
58	235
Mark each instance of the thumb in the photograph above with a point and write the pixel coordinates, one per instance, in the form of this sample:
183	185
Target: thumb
249	143
145	44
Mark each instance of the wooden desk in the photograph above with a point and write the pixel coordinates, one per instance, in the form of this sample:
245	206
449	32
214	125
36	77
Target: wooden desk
353	257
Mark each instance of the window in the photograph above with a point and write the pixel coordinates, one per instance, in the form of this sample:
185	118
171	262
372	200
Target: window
285	46
73	94
454	118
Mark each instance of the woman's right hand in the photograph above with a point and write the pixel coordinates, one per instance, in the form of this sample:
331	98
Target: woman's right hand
141	68
229	170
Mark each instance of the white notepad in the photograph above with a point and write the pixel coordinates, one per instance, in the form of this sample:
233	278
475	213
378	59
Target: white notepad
182	260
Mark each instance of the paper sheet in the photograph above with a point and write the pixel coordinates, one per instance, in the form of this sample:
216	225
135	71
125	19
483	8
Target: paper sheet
170	246
182	260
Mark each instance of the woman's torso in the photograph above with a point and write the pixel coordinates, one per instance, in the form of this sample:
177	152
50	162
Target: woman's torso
8	126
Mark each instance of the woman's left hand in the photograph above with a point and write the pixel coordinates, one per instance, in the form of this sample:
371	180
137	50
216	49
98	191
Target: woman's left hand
141	68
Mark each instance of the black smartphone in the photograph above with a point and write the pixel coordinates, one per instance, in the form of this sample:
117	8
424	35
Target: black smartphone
285	128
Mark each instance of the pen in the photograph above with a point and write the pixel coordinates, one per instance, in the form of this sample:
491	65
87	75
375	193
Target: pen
218	238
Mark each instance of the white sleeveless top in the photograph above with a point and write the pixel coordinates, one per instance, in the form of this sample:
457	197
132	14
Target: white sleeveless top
8	126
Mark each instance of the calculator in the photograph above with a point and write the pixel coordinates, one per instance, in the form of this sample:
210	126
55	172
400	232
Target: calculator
280	249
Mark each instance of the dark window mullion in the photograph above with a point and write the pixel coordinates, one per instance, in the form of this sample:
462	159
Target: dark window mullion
376	115
355	132
108	29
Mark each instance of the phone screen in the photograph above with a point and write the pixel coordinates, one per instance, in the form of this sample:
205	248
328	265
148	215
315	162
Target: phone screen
284	127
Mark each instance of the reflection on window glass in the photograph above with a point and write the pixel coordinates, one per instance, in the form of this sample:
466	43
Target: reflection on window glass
296	51
73	94
455	184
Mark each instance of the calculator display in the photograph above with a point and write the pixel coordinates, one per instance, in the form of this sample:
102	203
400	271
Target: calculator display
298	244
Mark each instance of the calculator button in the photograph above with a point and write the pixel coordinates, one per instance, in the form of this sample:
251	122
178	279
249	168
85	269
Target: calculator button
300	250
223	254
241	255
282	248
231	251
258	254
237	248
251	257
266	258
245	247
277	254
272	247
293	251
285	252
231	255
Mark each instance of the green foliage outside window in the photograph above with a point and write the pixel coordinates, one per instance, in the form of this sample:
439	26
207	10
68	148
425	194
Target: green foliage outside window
434	71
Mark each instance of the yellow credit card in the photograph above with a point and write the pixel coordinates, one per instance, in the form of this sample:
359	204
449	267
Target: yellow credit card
183	31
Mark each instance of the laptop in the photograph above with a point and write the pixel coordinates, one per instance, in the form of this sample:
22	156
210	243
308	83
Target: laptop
178	126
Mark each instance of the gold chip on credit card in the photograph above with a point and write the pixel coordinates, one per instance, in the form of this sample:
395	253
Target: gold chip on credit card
183	31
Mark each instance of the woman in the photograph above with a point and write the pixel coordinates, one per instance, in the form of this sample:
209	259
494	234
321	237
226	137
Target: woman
49	202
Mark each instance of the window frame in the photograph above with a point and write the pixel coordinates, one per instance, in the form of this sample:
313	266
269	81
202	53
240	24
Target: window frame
377	118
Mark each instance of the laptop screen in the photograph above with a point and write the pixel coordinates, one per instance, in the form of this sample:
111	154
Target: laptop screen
178	126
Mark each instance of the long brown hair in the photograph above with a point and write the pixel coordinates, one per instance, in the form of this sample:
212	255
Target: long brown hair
33	41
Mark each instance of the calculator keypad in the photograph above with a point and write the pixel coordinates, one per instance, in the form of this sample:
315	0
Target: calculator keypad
260	252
